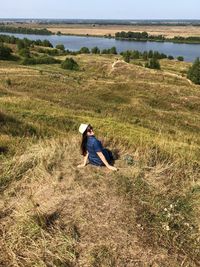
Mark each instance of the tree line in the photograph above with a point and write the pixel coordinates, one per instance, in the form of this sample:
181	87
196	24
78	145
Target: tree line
24	30
144	36
135	54
24	42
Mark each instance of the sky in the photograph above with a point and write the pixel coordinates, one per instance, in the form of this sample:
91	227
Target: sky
101	9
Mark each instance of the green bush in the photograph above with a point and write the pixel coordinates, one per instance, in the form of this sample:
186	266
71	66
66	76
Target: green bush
180	58
95	50
70	64
39	60
112	50
153	64
194	72
24	52
60	47
170	57
8	82
5	52
84	50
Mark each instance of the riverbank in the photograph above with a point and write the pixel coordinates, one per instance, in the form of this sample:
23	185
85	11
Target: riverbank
74	43
176	34
101	30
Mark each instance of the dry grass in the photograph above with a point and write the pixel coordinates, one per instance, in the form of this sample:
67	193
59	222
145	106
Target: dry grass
167	31
66	216
145	214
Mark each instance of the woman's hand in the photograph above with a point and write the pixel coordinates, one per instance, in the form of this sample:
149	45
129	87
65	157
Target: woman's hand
81	165
84	162
112	168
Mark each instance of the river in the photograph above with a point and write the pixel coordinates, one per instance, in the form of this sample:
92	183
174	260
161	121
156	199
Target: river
188	51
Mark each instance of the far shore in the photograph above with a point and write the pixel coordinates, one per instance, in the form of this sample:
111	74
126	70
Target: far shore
168	31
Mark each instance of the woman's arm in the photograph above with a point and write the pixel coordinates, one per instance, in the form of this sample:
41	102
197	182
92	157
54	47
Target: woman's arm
102	157
84	161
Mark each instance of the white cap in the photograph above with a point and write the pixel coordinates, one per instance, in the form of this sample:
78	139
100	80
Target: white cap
83	127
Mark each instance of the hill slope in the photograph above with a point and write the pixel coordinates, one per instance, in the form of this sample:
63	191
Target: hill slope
144	215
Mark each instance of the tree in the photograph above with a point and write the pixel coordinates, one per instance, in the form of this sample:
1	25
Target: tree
127	56
135	54
95	50
180	58
60	47
5	52
20	44
24	52
113	50
70	64
46	43
194	72
170	57
150	54
153	64
84	50
145	55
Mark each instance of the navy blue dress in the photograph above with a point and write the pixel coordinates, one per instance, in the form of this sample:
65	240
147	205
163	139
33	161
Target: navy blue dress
94	146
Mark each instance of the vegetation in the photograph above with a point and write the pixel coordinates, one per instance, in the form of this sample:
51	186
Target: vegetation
11	29
50	52
111	50
84	50
153	64
144	36
39	60
5	52
24	52
135	54
194	72
190	39
22	43
69	64
95	50
180	58
60	47
148	210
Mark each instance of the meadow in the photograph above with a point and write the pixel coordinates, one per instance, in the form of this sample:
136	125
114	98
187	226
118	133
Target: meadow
54	214
168	31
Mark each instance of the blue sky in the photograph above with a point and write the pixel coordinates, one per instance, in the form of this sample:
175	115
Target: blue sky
101	9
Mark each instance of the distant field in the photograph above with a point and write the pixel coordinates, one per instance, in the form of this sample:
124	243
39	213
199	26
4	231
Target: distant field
84	29
167	31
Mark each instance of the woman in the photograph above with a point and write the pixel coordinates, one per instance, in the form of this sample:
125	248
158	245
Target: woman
93	150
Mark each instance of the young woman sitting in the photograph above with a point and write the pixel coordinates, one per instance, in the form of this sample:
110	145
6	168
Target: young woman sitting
92	149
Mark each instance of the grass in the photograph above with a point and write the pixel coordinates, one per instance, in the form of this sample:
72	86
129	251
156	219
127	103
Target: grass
101	30
145	214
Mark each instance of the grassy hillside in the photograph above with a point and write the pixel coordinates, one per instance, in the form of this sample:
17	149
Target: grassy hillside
53	214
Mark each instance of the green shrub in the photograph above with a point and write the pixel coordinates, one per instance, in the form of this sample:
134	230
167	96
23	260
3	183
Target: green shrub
84	50
60	47
153	64
95	50
40	60
8	82
5	52
24	52
194	72
70	64
112	50
170	57
180	58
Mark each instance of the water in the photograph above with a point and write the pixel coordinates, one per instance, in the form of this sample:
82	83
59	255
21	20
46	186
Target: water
188	51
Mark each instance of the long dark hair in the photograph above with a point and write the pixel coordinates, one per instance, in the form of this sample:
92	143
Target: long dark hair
84	141
84	144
